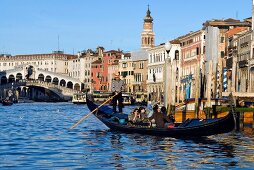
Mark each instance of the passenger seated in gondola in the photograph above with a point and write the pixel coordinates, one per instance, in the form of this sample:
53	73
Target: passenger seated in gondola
134	116
142	112
138	117
159	117
171	117
144	117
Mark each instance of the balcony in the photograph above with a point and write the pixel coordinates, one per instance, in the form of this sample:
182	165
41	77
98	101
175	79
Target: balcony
243	63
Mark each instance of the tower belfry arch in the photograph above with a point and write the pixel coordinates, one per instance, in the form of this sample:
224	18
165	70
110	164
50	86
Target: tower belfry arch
147	35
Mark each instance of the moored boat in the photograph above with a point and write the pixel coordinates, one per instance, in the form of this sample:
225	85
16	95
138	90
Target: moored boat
7	102
100	97
127	99
79	98
189	128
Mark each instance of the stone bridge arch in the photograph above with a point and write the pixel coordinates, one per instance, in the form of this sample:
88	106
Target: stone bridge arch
48	79
70	85
11	78
19	77
55	81
62	83
41	77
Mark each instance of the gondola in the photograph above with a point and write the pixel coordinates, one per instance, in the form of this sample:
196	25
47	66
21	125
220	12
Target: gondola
7	102
189	128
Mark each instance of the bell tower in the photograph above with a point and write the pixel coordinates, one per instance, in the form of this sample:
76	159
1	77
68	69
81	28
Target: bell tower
147	36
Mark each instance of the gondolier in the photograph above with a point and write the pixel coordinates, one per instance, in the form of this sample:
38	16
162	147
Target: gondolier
117	87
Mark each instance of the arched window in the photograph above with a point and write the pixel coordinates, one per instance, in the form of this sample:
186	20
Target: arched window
177	55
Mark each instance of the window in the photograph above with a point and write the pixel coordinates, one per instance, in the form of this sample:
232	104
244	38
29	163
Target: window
141	65
197	51
124	73
177	55
222	40
222	54
124	65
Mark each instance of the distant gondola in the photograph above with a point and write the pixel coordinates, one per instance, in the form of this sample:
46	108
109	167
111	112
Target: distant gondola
7	102
189	128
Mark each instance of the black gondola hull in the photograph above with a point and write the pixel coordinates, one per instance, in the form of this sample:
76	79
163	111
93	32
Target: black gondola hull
7	103
203	128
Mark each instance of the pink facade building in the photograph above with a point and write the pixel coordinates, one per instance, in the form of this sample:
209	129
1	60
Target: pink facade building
100	70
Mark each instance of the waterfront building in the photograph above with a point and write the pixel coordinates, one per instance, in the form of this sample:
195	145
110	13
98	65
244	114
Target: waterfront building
100	74
242	81
231	59
215	49
50	66
96	75
147	36
81	67
155	68
192	59
140	64
251	62
55	62
161	65
113	68
127	71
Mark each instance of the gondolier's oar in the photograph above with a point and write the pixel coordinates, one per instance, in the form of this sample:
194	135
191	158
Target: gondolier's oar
84	117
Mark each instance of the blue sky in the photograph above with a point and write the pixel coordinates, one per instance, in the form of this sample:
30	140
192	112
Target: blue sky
33	26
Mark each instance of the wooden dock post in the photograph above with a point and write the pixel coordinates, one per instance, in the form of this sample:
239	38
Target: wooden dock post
197	91
209	82
241	120
253	120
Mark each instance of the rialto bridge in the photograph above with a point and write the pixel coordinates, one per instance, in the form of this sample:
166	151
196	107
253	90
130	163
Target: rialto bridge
33	82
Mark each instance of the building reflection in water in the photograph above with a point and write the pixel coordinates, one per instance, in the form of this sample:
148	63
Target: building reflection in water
123	151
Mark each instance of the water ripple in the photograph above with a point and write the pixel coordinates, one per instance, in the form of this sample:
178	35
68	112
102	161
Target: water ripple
37	136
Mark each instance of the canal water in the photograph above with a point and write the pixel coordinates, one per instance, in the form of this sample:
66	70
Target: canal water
37	136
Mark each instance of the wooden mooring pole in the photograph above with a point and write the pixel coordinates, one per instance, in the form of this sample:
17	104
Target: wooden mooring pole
241	121
253	120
